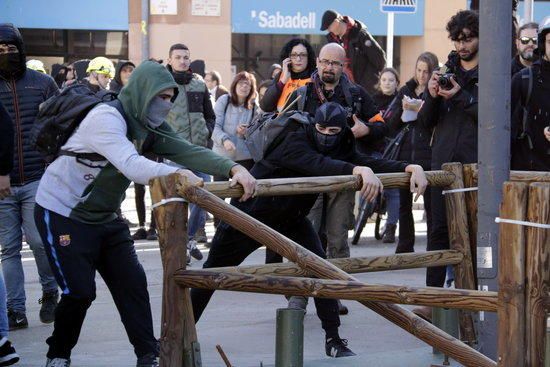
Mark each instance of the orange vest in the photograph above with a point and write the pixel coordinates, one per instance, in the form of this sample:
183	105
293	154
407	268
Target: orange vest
290	87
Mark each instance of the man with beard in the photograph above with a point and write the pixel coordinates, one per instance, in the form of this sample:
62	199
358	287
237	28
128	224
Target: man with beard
451	111
526	44
332	214
324	147
531	115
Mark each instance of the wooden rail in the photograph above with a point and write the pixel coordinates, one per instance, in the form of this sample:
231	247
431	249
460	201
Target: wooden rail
339	289
353	265
310	185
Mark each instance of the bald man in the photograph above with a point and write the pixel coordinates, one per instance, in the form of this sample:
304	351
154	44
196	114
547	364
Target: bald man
332	214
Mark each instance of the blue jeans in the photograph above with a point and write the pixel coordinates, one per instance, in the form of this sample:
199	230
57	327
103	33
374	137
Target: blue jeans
392	205
16	213
4	326
197	216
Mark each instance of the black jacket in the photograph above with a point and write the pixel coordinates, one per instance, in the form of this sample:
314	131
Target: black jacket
454	121
538	158
415	147
297	156
366	55
517	66
6	142
21	95
367	111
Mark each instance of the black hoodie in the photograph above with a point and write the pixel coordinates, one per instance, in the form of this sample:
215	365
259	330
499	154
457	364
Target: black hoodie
116	84
21	94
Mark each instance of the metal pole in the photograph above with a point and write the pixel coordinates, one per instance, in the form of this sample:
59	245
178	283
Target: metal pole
144	29
528	11
389	40
493	159
289	343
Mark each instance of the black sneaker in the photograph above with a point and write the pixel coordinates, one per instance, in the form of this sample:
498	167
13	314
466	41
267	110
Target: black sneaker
140	234
152	235
148	360
49	303
194	250
336	348
389	233
17	320
8	355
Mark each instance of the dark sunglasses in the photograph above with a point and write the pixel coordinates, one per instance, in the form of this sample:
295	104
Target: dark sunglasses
525	40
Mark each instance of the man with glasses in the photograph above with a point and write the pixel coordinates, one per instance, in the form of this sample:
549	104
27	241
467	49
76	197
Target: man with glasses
332	214
450	110
193	119
364	56
526	43
21	92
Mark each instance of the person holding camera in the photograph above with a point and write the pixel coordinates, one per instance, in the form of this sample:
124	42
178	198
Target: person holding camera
530	110
450	109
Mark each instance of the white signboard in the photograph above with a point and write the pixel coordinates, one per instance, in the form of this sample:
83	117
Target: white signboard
163	7
398	6
206	8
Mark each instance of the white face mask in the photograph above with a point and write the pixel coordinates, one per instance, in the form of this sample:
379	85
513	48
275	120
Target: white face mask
157	111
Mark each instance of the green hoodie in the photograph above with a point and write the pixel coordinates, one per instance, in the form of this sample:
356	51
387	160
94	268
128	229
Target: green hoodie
93	193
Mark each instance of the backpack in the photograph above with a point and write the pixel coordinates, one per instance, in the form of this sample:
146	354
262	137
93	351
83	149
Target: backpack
268	130
59	116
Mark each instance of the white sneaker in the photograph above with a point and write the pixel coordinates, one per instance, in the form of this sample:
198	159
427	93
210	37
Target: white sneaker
58	362
194	250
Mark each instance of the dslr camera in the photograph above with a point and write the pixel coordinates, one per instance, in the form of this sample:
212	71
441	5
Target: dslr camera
444	80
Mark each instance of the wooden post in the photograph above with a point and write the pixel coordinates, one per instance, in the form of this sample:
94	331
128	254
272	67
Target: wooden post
353	265
538	271
323	269
459	238
339	289
511	277
526	176
178	343
470	180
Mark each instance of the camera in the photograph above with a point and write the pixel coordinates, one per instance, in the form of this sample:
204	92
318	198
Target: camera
444	81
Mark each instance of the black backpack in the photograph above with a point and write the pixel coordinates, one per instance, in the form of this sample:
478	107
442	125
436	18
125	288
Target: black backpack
59	116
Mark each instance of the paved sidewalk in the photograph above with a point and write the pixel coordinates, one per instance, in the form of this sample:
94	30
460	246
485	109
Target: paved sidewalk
242	323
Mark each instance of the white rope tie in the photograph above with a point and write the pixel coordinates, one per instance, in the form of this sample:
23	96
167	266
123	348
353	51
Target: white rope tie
166	201
522	223
466	189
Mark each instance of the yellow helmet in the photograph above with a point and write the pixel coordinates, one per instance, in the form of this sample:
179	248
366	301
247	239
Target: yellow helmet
101	65
36	65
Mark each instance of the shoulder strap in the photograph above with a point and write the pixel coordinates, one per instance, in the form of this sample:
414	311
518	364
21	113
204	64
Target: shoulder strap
529	76
228	101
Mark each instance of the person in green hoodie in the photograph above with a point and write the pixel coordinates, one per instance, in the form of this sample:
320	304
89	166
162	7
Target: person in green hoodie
77	201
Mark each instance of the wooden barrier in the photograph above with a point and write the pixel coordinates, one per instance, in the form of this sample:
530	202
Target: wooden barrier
470	181
459	238
353	265
538	272
323	269
339	289
511	295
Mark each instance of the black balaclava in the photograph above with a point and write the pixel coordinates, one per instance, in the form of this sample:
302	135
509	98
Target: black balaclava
330	114
12	65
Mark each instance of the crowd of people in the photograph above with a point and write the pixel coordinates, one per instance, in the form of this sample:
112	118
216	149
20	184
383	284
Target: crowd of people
153	120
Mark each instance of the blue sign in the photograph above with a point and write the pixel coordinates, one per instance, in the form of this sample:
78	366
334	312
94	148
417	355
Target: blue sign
66	14
304	16
398	6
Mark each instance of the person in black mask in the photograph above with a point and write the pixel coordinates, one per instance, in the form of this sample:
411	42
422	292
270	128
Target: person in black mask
324	147
21	92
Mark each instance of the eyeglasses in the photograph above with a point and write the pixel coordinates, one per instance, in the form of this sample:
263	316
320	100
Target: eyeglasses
525	40
298	56
325	63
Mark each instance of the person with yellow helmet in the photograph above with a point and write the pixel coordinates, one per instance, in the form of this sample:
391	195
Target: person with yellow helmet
100	72
36	65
